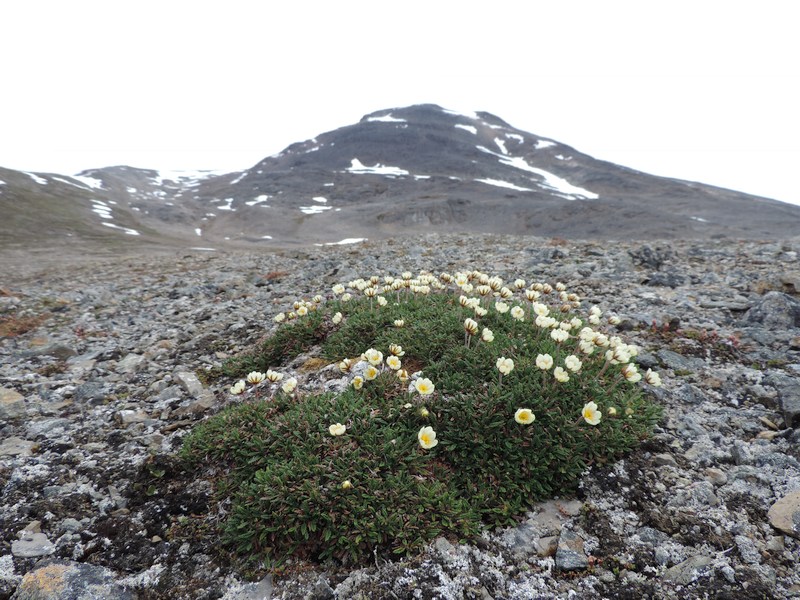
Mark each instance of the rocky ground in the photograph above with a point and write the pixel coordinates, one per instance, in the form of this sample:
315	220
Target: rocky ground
99	364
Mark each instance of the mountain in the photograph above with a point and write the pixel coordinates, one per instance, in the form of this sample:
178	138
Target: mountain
414	169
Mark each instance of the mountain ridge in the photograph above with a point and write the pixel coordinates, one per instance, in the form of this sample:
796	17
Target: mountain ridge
398	170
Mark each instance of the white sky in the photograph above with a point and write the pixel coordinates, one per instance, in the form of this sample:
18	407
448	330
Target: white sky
701	90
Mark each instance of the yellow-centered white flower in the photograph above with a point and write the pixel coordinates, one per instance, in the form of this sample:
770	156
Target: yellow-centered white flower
424	386
590	413
337	429
524	416
505	365
427	437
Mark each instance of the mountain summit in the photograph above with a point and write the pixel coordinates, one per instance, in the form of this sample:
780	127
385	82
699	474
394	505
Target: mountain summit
414	169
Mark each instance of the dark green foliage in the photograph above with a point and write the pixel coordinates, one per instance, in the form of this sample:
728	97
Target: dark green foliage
284	470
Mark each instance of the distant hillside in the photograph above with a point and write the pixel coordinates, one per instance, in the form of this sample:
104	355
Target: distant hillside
415	169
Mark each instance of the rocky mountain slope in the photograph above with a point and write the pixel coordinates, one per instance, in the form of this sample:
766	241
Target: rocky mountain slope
98	385
399	171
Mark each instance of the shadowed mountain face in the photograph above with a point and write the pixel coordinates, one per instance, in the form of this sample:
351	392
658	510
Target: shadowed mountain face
415	169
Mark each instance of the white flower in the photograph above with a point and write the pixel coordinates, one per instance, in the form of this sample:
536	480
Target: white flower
559	335
505	293
487	335
652	378
238	387
540	310
480	311
501	307
561	375
519	283
399	323
370	373
590	413
396	349
524	416
375	357
532	295
337	318
338	289
393	362
470	326
337	429
346	485
518	313
586	347
289	385
424	386
382	301
358	382
573	363
302	311
594	319
505	365
274	376
255	377
544	362
631	373
595	310
280	317
427	437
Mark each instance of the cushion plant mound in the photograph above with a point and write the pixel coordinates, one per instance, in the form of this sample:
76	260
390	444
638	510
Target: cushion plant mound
463	401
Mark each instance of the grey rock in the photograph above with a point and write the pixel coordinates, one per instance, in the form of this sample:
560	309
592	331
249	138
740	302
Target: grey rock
12	404
670	279
15	446
65	580
650	257
570	555
784	515
689	570
91	392
31	545
747	549
131	363
664	460
677	362
775	311
260	590
189	382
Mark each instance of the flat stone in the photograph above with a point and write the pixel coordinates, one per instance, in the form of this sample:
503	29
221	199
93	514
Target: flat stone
132	363
678	362
789	396
129	417
546	546
189	382
31	545
687	571
664	460
784	515
12	404
716	476
15	446
570	555
64	580
775	311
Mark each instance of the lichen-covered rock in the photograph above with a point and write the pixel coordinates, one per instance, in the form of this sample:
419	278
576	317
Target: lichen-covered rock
775	311
65	580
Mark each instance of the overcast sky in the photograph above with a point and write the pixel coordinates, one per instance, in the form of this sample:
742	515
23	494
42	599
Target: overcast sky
701	90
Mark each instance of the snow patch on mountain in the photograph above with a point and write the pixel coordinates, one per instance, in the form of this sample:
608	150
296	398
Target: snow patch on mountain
469	115
344	242
90	182
36	178
314	210
515	136
504	184
124	229
501	144
320	199
258	200
551	182
357	167
388	118
471	128
541	144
